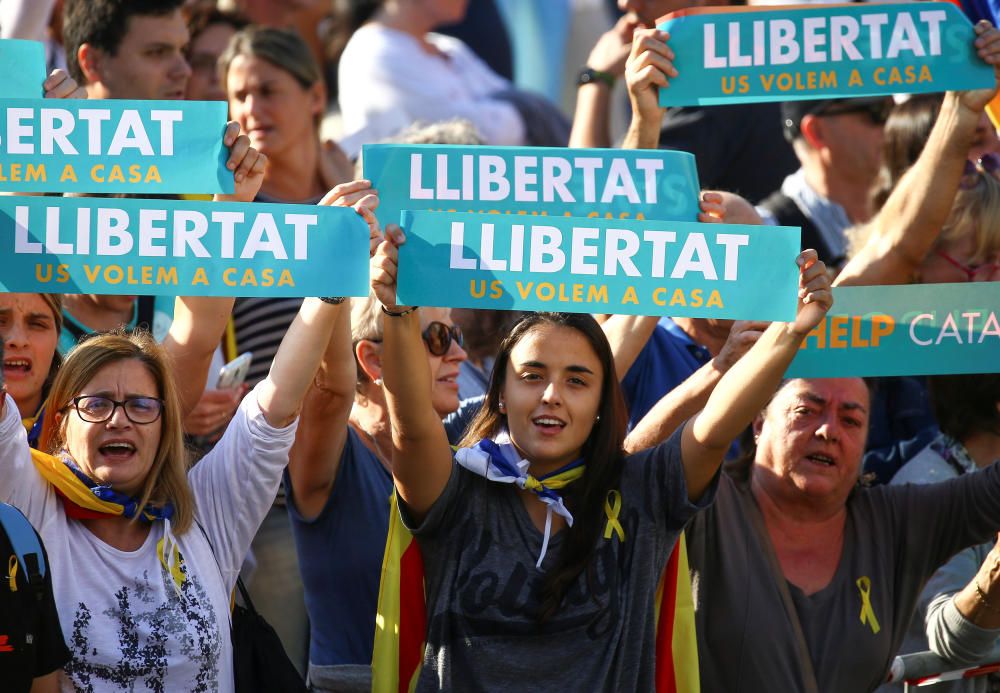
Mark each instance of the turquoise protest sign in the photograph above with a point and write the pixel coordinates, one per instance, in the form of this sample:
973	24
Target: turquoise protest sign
169	247
920	329
112	146
537	181
730	55
597	265
22	64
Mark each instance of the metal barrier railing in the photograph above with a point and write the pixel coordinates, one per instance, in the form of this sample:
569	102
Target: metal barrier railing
925	668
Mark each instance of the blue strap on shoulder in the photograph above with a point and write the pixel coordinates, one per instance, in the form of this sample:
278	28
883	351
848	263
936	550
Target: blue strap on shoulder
25	543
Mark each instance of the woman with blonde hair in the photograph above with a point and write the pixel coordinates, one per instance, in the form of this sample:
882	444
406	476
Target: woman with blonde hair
144	551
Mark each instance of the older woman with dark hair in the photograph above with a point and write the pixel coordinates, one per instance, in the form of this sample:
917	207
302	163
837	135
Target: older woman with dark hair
802	579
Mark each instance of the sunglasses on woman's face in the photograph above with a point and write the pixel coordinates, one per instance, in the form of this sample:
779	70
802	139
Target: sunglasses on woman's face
438	337
971	271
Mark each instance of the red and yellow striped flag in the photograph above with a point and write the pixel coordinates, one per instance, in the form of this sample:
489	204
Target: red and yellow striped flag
401	620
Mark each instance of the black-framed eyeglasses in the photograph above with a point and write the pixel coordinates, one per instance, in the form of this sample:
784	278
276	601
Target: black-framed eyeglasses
438	337
98	409
877	111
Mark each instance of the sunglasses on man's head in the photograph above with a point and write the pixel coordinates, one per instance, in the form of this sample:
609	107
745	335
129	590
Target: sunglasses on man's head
877	111
438	337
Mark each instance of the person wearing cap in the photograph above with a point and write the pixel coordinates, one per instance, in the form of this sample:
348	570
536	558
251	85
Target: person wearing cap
838	143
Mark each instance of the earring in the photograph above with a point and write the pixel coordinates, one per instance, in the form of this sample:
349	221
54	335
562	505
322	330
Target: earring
378	382
501	405
597	419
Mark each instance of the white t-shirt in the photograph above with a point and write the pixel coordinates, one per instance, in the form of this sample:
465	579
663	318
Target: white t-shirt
125	625
387	81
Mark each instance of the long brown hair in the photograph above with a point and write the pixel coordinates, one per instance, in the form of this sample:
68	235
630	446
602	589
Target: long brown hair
603	452
167	478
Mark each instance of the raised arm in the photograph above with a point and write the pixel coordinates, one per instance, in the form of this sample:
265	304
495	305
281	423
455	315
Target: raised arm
907	226
322	433
628	334
302	348
199	321
592	115
746	387
421	456
649	67
688	398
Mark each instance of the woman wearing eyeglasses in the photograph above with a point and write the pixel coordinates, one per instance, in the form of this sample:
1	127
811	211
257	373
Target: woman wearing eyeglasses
145	552
339	482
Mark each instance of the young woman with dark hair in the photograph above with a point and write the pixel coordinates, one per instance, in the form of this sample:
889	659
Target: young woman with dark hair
543	543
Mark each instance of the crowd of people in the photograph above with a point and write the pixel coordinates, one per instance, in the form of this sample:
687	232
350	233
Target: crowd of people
829	524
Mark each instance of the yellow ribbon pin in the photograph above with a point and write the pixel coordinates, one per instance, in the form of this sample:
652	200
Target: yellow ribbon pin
175	572
613	506
12	573
867	613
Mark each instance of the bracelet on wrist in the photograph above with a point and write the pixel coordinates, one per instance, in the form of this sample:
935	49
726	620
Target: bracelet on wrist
589	75
981	596
332	300
398	314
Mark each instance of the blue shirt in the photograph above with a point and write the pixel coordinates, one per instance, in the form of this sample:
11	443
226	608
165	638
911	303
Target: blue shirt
340	550
340	557
668	359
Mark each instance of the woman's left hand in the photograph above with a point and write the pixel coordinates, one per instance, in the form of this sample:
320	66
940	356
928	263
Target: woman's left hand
815	295
246	163
360	195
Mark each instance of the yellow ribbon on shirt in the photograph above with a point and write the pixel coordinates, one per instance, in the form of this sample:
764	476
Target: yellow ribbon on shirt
613	506
867	613
12	573
172	567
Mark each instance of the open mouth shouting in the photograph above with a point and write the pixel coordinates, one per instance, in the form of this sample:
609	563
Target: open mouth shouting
117	450
16	368
821	459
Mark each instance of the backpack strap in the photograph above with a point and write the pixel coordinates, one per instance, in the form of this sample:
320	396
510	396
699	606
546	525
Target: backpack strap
788	213
25	544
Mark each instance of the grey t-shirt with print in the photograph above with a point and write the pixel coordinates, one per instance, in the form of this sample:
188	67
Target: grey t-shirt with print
895	536
480	547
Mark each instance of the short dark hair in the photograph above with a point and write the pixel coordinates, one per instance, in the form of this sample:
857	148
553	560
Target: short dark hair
200	17
966	404
103	24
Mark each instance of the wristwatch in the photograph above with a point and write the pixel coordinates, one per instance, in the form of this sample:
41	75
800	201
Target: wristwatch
589	75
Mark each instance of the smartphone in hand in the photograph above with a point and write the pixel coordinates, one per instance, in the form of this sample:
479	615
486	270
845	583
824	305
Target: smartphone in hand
234	373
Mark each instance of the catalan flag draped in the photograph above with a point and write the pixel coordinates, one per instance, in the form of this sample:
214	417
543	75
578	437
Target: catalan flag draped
85	499
401	620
